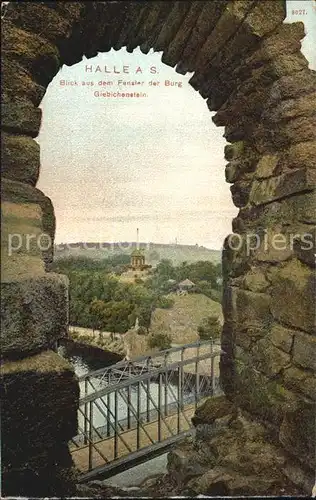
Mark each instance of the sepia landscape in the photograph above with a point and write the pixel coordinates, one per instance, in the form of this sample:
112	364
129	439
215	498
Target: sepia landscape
158	249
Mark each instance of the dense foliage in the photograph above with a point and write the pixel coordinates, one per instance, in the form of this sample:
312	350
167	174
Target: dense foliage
210	327
204	274
160	341
99	300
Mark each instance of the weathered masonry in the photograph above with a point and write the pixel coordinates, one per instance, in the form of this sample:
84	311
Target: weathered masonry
248	67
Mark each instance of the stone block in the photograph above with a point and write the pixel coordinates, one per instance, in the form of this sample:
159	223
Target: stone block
255	280
170	28
235	260
240	193
297	433
284	185
234	151
266	166
40	19
16	196
302	154
226	26
269	359
20	158
32	51
286	38
232	171
286	64
251	105
290	86
291	108
20	118
247	314
282	337
281	213
304	350
253	311
18	84
39	398
34	313
259	23
300	129
21	239
292	296
304	247
300	381
300	477
259	395
212	409
173	52
205	23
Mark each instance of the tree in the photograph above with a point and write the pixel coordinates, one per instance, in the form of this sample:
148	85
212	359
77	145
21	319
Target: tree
96	310
165	269
154	255
159	340
209	327
116	316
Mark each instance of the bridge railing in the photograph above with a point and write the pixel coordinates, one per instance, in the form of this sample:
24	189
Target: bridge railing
139	406
142	364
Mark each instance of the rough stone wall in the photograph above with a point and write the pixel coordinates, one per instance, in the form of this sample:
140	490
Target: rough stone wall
249	68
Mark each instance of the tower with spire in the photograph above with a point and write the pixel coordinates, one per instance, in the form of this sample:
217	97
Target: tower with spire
138	261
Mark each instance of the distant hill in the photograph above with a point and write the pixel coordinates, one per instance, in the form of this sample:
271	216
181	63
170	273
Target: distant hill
154	252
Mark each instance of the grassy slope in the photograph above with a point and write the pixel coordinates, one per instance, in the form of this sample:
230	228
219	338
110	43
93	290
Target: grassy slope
183	319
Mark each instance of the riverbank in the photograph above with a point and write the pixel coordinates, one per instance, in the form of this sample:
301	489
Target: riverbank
105	341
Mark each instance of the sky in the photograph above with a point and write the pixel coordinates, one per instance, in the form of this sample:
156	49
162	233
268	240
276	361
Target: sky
114	164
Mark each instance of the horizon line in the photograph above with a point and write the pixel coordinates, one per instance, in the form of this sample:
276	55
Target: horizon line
109	243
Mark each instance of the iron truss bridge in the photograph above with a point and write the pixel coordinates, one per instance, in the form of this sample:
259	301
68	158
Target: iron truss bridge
136	409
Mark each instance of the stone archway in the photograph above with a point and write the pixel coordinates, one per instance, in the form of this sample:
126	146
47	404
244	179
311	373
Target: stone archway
248	66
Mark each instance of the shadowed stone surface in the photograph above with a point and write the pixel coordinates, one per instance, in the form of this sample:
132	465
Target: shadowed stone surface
39	415
34	314
232	457
20	118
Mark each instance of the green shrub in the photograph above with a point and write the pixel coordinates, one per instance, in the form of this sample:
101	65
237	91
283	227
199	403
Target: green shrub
139	281
159	340
165	302
209	327
142	330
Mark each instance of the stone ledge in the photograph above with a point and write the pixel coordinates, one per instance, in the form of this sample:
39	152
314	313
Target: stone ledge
284	185
17	83
20	118
34	313
20	158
